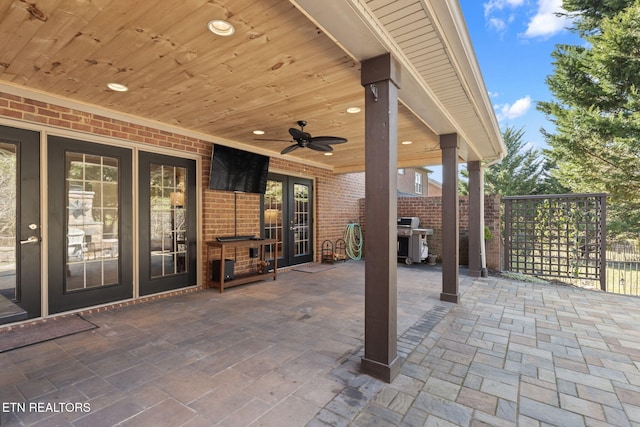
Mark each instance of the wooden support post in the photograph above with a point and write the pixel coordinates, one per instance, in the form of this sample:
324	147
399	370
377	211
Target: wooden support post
476	219
450	218
380	78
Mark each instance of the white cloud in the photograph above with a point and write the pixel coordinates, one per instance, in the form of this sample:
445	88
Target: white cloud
513	111
492	5
497	18
545	23
497	24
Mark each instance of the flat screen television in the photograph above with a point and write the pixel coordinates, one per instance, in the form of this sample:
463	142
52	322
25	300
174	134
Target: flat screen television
238	170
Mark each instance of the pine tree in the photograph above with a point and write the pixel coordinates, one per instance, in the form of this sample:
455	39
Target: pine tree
596	111
523	171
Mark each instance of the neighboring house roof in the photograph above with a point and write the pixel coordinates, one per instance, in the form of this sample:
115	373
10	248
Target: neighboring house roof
286	61
435	183
403	194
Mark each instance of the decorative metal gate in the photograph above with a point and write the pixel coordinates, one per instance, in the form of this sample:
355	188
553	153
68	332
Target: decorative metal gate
561	236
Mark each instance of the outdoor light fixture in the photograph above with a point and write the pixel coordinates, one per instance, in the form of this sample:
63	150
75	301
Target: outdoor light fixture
221	28
407	142
117	87
271	216
258	132
176	198
353	110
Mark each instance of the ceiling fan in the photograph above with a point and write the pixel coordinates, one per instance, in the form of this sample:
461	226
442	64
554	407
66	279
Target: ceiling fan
304	139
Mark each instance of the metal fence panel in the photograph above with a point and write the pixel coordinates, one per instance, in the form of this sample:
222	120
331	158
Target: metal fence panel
623	267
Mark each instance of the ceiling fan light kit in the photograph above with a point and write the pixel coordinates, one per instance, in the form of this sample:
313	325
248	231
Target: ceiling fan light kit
304	139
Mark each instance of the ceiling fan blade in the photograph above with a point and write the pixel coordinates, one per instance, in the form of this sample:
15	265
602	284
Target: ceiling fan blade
328	140
289	149
272	140
320	147
299	135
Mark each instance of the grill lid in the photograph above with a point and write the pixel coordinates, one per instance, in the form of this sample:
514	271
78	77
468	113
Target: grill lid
409	221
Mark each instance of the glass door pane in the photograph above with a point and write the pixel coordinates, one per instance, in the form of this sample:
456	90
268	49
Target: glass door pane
92	221
8	223
301	216
168	213
273	216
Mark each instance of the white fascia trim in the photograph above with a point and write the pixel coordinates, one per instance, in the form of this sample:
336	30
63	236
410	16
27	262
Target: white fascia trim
447	17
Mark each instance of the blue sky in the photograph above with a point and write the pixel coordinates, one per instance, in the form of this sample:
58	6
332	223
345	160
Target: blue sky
513	41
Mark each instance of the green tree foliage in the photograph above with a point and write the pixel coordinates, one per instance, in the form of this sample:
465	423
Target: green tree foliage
592	12
596	86
523	171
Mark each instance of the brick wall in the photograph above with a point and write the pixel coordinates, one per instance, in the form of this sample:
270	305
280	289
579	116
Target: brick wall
429	210
492	220
336	195
339	198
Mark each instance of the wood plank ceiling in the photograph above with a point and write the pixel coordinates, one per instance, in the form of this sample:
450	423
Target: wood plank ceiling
277	68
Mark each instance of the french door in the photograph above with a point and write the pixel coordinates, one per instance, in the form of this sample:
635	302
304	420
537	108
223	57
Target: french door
90	237
90	224
20	238
167	226
288	218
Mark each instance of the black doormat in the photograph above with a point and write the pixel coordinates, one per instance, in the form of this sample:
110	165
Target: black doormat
40	331
313	268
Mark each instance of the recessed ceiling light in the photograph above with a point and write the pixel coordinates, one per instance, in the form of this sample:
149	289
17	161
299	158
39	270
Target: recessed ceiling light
220	27
328	154
407	142
258	132
353	110
117	87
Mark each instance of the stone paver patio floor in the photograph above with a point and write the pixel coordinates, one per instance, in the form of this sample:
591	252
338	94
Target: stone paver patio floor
286	353
523	354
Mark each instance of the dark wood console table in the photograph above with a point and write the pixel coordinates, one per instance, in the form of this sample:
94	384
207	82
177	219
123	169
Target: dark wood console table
225	246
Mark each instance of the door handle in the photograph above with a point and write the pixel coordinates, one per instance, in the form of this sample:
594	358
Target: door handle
32	239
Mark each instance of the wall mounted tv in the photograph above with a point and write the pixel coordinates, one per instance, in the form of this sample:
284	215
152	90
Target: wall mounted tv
238	170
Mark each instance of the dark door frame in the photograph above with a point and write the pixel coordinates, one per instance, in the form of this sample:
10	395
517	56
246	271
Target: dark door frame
59	299
29	255
288	221
149	285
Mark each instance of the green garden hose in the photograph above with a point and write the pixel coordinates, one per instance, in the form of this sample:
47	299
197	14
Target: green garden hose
353	240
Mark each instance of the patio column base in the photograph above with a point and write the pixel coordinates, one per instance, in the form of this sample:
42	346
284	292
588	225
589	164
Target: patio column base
474	273
381	371
455	298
